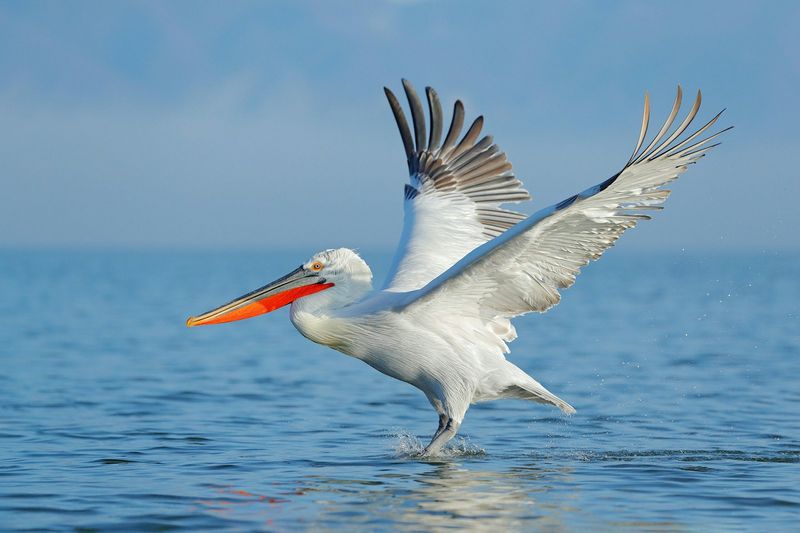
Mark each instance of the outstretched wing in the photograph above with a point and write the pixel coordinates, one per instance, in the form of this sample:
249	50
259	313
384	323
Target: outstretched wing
523	269
452	204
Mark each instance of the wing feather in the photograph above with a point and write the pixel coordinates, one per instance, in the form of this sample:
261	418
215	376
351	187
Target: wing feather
643	131
417	116
453	201
524	268
467	142
455	127
402	125
435	110
667	123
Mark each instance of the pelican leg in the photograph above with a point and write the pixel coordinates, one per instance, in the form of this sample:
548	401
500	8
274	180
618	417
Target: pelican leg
447	430
442	424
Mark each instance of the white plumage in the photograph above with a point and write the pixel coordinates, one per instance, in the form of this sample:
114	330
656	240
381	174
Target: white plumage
466	266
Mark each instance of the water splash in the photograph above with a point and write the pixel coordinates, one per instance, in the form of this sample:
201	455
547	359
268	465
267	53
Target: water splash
409	446
406	445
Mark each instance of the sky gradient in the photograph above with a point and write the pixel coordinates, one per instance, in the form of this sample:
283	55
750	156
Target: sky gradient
260	124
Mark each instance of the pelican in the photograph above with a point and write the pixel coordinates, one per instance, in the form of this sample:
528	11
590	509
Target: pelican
465	266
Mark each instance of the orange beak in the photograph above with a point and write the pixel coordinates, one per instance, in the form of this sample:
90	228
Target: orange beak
280	292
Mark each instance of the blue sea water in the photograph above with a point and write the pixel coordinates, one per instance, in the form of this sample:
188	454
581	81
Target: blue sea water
684	369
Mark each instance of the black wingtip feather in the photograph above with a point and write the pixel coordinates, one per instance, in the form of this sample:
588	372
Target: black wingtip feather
402	124
417	116
435	112
455	126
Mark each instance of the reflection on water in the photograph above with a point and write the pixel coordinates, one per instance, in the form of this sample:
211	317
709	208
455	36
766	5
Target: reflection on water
113	416
450	495
541	491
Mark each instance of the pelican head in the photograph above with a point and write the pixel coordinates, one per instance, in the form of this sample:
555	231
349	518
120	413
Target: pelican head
329	279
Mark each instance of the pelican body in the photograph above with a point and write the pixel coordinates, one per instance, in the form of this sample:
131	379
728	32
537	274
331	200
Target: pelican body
466	265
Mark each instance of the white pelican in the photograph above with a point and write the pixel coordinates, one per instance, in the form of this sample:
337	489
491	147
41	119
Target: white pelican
466	266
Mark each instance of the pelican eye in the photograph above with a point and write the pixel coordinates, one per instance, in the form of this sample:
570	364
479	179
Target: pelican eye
316	266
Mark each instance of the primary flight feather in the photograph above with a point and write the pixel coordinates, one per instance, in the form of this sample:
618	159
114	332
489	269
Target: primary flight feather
465	265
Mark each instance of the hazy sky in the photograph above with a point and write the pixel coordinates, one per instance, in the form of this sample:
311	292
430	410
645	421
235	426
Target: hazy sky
257	124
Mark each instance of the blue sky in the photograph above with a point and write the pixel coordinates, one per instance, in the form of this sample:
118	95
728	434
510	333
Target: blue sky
260	124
